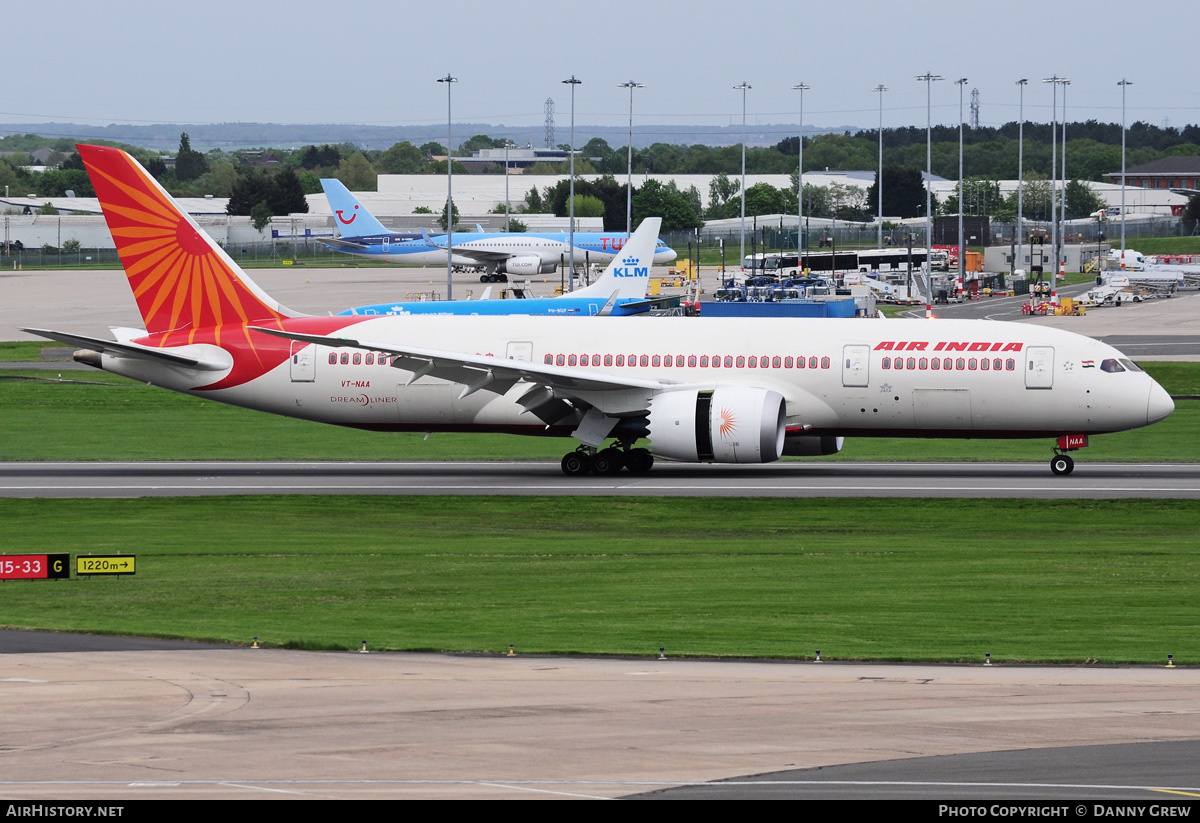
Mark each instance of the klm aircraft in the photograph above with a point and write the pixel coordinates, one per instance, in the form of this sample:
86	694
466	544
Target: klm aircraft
620	290
499	254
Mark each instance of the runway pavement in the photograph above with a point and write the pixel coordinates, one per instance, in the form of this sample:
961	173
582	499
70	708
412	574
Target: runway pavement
242	723
784	479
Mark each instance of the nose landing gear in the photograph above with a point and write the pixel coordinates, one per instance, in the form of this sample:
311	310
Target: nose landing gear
1061	463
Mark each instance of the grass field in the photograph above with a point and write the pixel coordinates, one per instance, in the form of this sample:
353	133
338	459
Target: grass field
93	415
1157	245
1113	581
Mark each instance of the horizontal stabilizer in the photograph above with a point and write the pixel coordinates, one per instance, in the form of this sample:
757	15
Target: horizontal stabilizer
342	243
648	303
132	350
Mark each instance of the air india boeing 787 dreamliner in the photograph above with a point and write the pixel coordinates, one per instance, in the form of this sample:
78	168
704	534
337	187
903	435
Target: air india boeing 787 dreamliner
720	390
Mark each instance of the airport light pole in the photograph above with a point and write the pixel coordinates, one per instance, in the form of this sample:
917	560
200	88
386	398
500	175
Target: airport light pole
800	87
508	144
879	180
631	85
742	245
1062	214
1053	81
962	262
1123	83
1020	169
448	80
572	82
929	78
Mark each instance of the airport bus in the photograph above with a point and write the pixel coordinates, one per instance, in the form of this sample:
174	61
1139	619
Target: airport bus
782	265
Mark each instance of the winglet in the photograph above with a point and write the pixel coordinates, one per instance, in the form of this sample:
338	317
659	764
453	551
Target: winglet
350	216
629	272
607	308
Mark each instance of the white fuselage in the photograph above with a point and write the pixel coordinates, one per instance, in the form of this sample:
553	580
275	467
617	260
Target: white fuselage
548	250
1038	381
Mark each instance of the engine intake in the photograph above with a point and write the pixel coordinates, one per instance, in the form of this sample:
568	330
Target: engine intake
730	424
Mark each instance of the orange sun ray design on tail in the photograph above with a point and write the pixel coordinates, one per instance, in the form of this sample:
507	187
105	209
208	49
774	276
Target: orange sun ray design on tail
179	279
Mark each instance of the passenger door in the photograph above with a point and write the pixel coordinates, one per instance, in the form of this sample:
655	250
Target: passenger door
1039	367
855	358
304	365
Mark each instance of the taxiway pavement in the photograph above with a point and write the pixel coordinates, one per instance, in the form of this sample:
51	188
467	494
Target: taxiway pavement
240	723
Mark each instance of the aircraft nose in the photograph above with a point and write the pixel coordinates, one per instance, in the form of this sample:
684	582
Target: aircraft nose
669	256
1159	404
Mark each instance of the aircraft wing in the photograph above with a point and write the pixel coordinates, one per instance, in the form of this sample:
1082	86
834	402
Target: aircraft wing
613	395
133	350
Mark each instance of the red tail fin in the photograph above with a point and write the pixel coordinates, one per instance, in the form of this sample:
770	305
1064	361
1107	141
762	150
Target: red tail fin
180	278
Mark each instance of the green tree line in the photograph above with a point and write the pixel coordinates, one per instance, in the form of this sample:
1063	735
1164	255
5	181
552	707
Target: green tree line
277	179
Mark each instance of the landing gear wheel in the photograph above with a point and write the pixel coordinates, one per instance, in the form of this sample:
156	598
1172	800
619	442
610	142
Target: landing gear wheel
608	461
1062	464
576	464
484	278
639	461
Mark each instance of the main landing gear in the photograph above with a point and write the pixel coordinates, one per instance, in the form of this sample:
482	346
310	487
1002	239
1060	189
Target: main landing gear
1061	463
607	461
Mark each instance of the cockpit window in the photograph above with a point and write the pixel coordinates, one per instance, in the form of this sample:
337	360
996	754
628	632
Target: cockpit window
1111	365
1129	364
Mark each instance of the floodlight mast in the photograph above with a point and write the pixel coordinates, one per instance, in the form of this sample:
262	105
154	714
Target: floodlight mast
1020	170
744	86
1123	83
631	85
448	80
572	82
929	78
879	180
962	268
800	87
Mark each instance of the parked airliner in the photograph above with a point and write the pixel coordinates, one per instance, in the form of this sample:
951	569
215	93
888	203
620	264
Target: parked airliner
620	290
721	390
499	254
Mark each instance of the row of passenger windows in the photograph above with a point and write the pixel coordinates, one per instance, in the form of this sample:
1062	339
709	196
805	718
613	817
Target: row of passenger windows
358	359
949	363
717	361
680	361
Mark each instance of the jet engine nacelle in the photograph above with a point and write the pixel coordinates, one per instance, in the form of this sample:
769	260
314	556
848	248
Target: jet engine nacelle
731	424
812	446
527	266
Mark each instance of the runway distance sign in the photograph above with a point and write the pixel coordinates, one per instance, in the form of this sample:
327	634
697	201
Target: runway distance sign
35	566
89	564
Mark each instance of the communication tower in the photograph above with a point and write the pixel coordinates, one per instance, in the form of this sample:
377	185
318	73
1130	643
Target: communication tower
974	108
549	122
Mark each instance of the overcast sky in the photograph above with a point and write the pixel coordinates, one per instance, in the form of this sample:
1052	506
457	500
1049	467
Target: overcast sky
133	61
